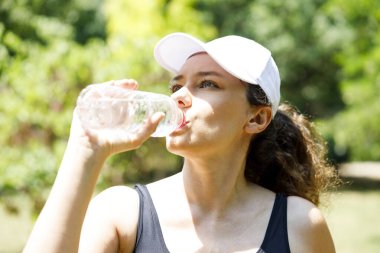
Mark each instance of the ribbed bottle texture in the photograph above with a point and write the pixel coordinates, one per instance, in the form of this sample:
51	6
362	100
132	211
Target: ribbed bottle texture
101	106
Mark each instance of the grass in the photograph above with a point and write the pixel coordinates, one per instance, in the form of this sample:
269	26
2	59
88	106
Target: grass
354	220
352	215
15	228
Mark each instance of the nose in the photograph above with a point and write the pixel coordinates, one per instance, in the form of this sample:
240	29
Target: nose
182	97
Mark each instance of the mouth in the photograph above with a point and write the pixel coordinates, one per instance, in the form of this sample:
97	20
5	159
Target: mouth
183	124
184	121
181	127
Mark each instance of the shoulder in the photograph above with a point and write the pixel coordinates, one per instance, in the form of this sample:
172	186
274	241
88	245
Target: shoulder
112	219
166	185
117	200
115	196
119	204
307	228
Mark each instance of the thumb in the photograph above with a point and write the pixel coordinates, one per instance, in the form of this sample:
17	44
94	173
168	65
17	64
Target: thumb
128	141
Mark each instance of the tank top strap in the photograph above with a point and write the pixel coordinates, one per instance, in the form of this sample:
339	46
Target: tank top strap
149	237
276	236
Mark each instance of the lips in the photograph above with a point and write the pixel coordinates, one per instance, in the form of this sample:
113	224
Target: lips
184	121
181	127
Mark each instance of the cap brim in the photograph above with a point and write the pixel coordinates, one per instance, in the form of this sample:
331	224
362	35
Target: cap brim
172	51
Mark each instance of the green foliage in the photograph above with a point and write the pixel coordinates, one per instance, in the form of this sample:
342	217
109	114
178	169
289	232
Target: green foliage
49	52
133	30
42	69
328	55
292	31
40	21
37	96
355	130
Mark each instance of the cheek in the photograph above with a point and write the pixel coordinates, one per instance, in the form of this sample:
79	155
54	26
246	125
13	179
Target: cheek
219	118
211	125
204	114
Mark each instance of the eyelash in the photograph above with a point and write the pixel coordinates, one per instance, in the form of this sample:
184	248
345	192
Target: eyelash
203	85
175	87
213	84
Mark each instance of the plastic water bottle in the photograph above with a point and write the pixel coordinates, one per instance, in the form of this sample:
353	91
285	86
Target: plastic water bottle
101	106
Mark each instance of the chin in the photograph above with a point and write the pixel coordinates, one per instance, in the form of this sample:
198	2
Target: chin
175	145
187	147
181	146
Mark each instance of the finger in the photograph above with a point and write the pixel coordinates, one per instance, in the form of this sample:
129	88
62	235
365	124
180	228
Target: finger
150	126
117	85
127	83
127	141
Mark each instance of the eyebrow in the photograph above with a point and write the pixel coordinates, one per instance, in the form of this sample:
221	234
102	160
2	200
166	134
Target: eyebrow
198	74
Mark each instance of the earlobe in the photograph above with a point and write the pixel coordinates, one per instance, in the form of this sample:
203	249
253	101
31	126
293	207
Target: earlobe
259	120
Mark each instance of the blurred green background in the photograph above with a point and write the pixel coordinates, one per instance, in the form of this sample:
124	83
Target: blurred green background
328	53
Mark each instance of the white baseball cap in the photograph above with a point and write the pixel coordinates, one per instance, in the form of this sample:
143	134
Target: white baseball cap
243	58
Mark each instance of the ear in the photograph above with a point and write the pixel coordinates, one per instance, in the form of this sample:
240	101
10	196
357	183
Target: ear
259	119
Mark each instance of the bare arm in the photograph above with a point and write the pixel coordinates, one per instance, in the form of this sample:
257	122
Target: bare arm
111	221
307	228
58	227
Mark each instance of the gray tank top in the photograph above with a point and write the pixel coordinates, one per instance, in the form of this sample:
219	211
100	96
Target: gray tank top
150	239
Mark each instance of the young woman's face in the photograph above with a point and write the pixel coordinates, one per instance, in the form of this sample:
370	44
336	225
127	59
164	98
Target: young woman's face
215	106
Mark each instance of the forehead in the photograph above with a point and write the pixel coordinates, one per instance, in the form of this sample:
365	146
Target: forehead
201	61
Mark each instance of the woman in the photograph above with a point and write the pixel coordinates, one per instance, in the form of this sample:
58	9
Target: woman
251	177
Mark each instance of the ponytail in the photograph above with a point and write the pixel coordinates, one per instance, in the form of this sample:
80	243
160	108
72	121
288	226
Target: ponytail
289	156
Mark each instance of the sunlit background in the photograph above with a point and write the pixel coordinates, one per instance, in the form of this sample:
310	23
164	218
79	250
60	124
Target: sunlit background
328	53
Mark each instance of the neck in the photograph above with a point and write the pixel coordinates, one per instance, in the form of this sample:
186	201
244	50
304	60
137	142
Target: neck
212	184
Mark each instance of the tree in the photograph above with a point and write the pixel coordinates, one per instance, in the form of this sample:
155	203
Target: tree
42	68
133	30
49	50
292	31
355	131
328	58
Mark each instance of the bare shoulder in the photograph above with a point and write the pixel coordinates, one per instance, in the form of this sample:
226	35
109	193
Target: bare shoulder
111	221
120	201
307	228
164	187
115	196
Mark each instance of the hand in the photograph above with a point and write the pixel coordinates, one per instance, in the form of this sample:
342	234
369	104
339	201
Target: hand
107	142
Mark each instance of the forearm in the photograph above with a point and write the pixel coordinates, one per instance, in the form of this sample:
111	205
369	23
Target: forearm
59	224
58	227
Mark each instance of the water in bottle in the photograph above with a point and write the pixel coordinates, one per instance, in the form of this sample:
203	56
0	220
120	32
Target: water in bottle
101	106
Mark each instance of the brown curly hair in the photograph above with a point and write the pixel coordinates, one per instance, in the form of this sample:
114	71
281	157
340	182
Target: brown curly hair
289	156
